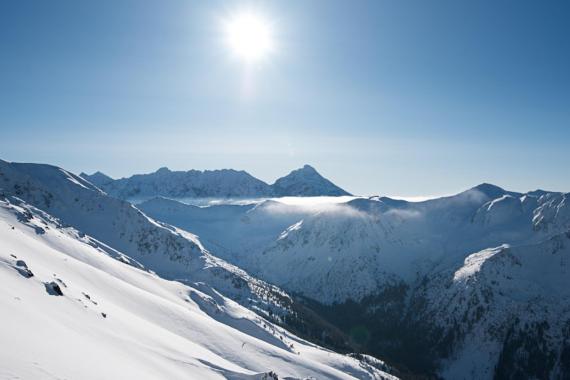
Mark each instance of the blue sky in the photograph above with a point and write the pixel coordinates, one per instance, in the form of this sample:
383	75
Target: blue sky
383	97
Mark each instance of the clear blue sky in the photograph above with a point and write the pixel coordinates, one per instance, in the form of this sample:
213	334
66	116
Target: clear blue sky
383	97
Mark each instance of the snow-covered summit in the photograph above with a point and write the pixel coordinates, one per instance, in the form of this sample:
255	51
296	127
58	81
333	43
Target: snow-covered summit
493	191
306	181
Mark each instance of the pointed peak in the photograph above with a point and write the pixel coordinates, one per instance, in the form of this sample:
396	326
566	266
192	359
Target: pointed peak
163	169
306	181
305	170
489	188
98	178
98	175
486	185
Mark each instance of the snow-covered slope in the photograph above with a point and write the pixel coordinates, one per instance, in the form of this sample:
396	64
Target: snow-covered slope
468	286
356	247
389	265
508	307
224	183
70	310
355	250
306	182
232	231
168	251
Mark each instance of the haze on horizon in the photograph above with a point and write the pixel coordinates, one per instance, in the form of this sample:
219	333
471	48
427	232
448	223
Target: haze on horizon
397	98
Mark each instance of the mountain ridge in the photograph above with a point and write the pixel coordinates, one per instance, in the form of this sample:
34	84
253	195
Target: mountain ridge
396	271
72	310
222	183
166	250
454	287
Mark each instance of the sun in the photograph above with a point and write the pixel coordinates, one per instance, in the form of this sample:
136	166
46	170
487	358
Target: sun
249	36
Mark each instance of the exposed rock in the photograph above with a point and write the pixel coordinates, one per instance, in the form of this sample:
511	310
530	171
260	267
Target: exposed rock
53	289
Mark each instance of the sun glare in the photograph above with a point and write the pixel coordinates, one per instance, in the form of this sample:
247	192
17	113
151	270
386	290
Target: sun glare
249	36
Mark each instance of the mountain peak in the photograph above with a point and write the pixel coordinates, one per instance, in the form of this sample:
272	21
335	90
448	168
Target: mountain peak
98	178
96	174
306	181
163	169
308	167
100	174
494	191
490	190
305	170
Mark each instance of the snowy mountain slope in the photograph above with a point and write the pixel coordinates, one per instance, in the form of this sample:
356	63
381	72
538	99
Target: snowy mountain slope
306	182
552	213
378	264
357	246
376	239
224	183
69	310
515	302
403	283
170	252
232	231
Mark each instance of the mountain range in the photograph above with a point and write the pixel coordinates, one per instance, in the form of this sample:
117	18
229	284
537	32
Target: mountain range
89	279
72	311
470	286
467	286
226	183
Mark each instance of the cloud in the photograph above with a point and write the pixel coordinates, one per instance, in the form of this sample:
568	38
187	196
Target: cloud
404	213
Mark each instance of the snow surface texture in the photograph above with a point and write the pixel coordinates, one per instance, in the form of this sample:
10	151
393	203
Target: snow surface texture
71	310
486	267
225	183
